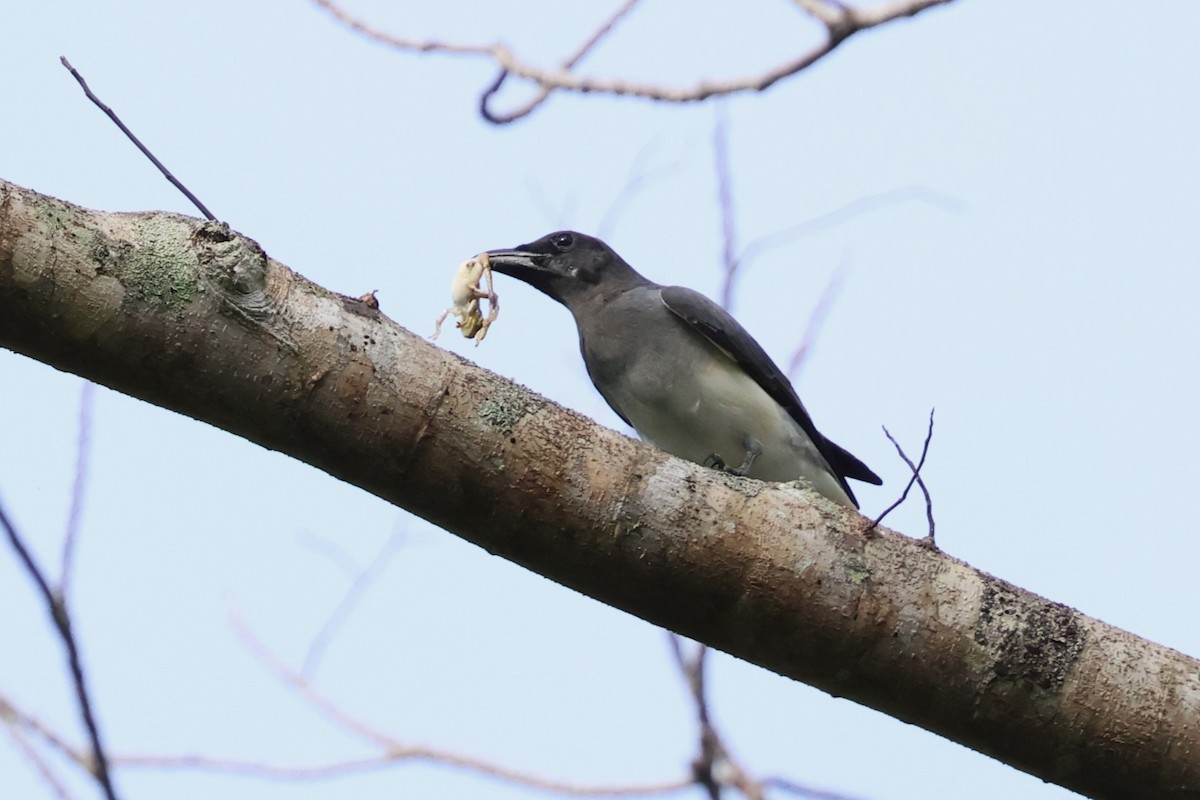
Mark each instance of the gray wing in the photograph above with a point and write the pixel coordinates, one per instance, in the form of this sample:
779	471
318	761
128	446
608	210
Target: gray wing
720	328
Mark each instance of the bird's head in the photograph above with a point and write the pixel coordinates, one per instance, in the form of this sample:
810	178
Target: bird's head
565	265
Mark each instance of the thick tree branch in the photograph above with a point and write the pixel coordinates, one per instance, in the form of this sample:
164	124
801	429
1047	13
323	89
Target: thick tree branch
190	316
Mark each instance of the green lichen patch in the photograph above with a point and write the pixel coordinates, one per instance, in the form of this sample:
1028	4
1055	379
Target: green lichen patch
856	569
161	267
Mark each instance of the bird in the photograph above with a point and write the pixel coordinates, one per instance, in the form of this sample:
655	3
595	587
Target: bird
680	370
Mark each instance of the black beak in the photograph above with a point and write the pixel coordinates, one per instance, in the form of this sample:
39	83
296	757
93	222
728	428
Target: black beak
518	263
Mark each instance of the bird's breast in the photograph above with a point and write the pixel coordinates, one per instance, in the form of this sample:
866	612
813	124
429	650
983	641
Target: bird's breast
688	397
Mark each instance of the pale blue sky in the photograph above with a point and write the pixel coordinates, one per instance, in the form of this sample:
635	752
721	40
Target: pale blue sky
1046	307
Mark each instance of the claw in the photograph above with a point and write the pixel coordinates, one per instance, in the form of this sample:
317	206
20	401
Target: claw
753	451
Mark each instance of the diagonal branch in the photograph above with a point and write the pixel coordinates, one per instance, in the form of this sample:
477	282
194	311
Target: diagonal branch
112	115
361	581
391	749
83	447
56	606
34	756
840	23
544	92
208	325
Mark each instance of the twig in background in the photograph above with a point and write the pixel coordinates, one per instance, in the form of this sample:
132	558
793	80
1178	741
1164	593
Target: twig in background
640	175
544	92
830	219
709	762
733	261
391	750
714	769
360	581
56	606
816	319
839	21
730	262
800	790
40	764
83	448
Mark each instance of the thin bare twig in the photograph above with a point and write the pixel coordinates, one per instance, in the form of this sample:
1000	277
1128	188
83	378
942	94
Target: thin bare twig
34	756
707	762
729	259
558	215
734	262
357	766
715	769
360	582
83	447
815	320
731	262
800	790
916	478
331	551
15	717
390	755
136	141
844	213
56	606
840	23
544	91
640	175
257	769
828	14
391	749
830	219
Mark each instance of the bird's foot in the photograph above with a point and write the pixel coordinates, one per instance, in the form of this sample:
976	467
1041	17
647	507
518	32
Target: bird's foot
752	454
753	451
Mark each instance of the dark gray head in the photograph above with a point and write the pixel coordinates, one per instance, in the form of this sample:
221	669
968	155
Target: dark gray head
567	266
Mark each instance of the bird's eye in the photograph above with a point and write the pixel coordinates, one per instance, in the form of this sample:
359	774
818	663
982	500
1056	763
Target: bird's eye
563	241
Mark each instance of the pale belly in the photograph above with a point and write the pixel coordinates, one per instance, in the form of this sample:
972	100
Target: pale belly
721	411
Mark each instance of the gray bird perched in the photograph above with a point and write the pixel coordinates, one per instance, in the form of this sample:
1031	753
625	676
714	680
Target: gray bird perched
680	370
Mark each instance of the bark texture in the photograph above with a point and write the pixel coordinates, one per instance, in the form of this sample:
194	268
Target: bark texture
193	317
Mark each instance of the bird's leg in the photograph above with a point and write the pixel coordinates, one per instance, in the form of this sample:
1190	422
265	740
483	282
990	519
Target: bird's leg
753	451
